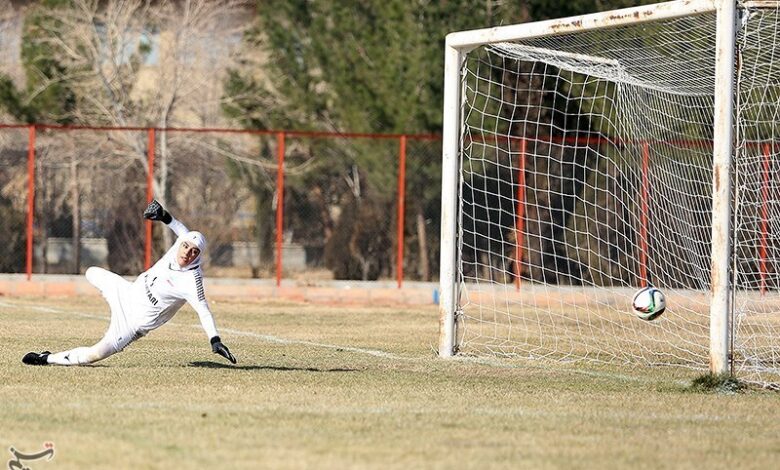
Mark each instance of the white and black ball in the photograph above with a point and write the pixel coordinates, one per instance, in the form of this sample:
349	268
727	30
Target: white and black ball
649	303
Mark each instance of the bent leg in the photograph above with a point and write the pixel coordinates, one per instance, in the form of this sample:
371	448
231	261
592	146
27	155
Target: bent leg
119	333
106	281
115	340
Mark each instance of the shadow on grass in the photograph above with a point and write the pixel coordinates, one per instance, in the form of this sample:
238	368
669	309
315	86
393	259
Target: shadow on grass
219	365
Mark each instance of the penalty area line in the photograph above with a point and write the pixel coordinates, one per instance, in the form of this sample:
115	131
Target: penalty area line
250	334
53	310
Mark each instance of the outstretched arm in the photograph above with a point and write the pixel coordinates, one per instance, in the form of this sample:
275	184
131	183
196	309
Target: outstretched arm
206	318
198	302
207	321
155	211
178	228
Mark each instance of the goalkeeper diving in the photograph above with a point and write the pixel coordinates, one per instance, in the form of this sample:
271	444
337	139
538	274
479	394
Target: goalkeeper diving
148	303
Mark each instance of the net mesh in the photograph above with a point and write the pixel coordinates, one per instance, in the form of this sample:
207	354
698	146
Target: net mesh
756	306
586	174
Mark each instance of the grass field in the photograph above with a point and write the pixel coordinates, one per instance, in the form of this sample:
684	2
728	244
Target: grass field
324	387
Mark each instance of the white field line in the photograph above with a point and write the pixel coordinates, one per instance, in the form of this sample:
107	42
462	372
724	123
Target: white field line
52	310
250	334
276	339
373	352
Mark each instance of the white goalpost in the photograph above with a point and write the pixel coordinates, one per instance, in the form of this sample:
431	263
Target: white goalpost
587	157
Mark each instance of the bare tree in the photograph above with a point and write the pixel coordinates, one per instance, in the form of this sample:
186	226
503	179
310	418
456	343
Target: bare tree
141	63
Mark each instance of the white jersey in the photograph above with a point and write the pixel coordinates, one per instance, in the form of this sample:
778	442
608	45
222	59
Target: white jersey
158	293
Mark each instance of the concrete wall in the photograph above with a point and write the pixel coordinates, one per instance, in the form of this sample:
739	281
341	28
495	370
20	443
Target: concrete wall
384	293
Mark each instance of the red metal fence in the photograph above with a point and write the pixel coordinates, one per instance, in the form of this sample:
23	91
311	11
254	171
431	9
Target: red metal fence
271	202
277	203
755	206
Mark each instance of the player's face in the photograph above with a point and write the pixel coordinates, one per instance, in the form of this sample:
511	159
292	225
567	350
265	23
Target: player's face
187	253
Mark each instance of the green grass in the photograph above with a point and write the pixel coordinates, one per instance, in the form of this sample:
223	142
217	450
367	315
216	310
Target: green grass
323	387
710	383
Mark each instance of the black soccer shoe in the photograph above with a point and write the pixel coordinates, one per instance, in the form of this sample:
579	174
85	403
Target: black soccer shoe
35	359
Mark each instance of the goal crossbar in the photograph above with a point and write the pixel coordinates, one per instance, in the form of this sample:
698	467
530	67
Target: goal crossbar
467	40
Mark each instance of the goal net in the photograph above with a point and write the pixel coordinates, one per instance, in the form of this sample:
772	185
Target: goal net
585	172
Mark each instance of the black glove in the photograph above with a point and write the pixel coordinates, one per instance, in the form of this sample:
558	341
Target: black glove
218	348
154	211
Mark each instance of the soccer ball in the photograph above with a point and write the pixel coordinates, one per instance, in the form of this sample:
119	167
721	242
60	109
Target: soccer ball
649	303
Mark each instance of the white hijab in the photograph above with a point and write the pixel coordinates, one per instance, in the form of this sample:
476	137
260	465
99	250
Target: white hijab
195	238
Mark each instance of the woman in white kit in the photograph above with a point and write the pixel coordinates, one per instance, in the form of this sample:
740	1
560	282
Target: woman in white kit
146	304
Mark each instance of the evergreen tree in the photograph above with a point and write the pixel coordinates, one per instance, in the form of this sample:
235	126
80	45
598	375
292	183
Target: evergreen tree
360	66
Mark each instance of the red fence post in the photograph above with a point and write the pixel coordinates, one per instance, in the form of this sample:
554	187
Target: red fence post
644	207
401	210
520	211
764	217
279	204
30	198
149	196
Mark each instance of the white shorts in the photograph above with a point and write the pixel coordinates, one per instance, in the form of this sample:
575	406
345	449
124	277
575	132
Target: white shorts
120	331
